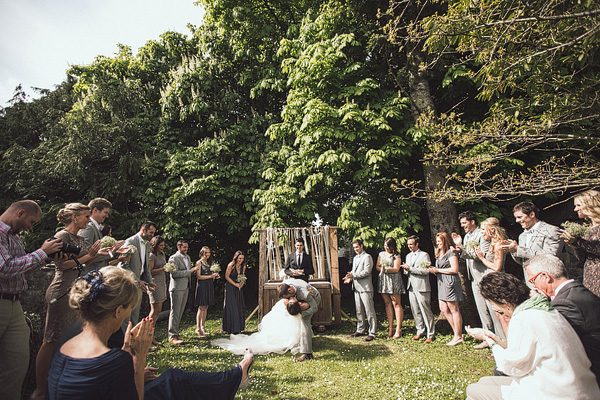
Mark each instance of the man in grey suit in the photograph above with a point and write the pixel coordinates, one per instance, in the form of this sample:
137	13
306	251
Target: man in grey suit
419	290
476	270
138	264
179	288
298	289
360	277
538	237
579	306
99	209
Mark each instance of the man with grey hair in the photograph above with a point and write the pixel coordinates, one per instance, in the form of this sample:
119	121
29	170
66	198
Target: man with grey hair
579	306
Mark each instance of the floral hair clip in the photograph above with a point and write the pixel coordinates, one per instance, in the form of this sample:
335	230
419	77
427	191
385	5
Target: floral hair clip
94	278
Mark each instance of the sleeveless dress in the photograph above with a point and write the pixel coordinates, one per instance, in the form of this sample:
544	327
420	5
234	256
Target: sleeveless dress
233	307
160	280
205	290
278	332
588	251
389	282
449	286
60	315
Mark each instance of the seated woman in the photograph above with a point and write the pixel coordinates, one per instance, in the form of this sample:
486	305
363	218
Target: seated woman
86	368
542	357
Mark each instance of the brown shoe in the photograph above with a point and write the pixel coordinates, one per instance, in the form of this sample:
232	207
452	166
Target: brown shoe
369	338
304	357
416	337
175	340
357	334
429	340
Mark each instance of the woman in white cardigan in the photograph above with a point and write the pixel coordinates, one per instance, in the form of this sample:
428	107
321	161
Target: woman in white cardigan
542	356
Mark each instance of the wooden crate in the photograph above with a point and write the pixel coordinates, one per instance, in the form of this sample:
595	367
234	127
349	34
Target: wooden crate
321	317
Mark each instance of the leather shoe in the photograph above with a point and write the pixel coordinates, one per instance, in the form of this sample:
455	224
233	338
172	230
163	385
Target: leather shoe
416	337
429	340
357	334
175	340
369	338
304	357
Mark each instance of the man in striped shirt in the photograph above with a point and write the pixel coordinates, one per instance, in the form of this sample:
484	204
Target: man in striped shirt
14	264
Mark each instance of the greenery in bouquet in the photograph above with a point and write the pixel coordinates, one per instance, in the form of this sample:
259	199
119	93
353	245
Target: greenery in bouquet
471	245
170	267
241	278
575	230
215	268
107	241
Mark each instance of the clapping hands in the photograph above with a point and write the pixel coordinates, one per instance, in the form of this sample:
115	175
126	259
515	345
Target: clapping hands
139	338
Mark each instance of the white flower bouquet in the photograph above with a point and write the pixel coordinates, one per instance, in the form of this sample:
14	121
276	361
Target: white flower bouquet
241	278
385	264
215	268
107	241
424	264
128	250
170	267
471	245
575	230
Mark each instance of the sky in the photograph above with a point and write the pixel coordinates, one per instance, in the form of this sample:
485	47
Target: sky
41	39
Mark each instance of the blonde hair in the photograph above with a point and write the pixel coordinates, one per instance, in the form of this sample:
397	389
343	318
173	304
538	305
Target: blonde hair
65	215
97	295
497	233
590	204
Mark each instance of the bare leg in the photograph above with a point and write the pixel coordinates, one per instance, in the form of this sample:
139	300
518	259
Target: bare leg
389	312
398	312
155	309
42	366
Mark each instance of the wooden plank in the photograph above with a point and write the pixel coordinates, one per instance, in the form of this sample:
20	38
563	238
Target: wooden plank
262	269
335	276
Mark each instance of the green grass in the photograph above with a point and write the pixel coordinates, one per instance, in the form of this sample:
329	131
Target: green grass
343	367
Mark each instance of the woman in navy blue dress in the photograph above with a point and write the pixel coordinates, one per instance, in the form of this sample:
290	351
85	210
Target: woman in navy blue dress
84	367
233	308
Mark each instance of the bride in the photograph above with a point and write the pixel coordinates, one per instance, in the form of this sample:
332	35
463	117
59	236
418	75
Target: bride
278	332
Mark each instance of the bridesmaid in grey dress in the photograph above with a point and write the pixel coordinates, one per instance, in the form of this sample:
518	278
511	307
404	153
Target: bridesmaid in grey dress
391	286
449	284
157	261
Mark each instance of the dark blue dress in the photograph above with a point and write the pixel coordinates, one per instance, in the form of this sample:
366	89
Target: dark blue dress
205	290
233	307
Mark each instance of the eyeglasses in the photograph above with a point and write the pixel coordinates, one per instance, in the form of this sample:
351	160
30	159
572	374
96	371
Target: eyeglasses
534	277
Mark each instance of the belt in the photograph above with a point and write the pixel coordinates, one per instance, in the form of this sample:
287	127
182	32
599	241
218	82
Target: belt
11	297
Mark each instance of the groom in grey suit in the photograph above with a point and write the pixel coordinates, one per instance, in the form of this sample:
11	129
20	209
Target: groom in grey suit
360	277
179	288
99	209
298	289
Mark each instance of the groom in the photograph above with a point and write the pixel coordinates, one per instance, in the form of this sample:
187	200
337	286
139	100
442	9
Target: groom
303	291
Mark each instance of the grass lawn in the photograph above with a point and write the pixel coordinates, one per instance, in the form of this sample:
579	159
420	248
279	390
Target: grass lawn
343	367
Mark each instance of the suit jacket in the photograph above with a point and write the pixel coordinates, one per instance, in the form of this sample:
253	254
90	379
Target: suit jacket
180	278
141	272
544	240
418	278
475	268
303	293
91	235
581	308
307	266
362	266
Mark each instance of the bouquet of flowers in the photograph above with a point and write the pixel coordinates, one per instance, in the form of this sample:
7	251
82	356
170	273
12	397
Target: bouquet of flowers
107	241
128	250
385	264
470	245
574	229
215	268
424	264
241	278
170	267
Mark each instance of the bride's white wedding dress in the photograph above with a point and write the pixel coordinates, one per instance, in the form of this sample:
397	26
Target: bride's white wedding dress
278	332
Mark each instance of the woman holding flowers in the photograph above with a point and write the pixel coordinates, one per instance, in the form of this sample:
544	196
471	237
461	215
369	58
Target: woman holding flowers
391	286
449	285
205	291
74	216
586	240
233	307
157	261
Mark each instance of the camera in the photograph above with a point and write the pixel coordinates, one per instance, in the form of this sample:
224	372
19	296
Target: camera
66	248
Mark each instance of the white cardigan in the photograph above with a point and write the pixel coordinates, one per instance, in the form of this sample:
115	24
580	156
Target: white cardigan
545	358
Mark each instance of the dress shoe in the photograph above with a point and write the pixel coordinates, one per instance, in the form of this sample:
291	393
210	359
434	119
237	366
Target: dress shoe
416	337
304	357
357	334
429	340
175	340
369	338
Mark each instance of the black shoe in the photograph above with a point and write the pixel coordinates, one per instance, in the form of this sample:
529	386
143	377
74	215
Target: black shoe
369	338
357	334
304	357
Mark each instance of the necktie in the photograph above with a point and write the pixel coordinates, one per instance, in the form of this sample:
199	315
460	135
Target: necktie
299	261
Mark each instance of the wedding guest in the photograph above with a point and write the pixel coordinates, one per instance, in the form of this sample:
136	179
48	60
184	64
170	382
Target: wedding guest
362	285
14	265
538	237
157	263
75	216
542	356
85	367
99	210
233	307
587	247
449	284
179	288
205	290
299	264
419	289
390	286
